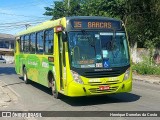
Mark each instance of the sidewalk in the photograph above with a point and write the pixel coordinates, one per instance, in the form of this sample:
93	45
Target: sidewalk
147	78
9	101
6	96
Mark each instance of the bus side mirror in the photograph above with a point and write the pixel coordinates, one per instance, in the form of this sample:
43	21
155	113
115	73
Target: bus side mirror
64	36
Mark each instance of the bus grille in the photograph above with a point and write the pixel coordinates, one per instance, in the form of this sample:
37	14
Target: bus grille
105	82
100	74
97	90
112	82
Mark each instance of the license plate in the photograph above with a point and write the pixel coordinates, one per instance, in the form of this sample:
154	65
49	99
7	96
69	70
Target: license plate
104	87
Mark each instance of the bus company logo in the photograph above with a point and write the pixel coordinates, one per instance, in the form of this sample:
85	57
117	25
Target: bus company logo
6	114
32	63
98	70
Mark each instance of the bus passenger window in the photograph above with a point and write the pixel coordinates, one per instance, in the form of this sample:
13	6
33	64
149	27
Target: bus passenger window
21	43
48	42
40	43
26	43
33	43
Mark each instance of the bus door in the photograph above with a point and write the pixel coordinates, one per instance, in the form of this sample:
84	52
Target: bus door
62	61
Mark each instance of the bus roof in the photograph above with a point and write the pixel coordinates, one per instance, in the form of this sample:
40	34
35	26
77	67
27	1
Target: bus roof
52	23
45	25
92	17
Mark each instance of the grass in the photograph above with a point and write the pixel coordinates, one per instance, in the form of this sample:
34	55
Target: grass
145	69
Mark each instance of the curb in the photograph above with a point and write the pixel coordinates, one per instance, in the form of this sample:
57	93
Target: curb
148	81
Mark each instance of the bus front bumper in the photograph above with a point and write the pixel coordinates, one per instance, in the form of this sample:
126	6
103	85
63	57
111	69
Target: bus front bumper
75	89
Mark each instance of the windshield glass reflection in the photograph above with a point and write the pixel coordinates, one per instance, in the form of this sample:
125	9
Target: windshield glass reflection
98	49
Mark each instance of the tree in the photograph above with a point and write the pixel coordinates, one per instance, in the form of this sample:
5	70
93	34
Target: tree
141	17
58	10
62	8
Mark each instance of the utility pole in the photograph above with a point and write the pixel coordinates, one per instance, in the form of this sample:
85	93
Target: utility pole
68	7
27	26
68	4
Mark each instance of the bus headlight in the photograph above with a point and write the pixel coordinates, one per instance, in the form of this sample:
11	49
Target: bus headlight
76	77
127	74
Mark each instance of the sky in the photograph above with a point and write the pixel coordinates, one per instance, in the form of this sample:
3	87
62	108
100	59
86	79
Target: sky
15	14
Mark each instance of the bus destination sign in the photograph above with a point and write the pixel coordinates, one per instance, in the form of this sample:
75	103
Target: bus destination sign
95	24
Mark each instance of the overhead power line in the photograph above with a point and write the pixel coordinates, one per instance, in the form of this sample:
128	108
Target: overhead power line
28	4
9	26
21	22
14	28
18	25
20	15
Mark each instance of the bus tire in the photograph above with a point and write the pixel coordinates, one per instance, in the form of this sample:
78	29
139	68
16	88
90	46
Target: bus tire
25	78
55	93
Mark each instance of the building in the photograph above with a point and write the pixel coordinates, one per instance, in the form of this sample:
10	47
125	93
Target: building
7	47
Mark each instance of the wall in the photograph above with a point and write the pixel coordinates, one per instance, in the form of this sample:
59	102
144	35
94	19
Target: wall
138	54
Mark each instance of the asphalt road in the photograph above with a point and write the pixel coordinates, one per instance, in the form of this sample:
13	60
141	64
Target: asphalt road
34	97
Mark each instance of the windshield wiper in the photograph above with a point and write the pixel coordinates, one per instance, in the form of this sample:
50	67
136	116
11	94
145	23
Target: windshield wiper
91	40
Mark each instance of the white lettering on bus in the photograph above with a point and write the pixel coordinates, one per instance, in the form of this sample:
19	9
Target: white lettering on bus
45	65
32	63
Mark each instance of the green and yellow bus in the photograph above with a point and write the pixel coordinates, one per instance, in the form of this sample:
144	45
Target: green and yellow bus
76	56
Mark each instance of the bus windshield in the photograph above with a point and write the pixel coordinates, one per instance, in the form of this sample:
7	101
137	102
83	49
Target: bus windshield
94	49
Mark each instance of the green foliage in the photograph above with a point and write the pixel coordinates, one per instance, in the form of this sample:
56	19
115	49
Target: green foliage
58	10
141	17
63	9
146	68
143	69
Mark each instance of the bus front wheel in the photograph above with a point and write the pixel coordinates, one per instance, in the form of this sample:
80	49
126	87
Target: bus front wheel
55	92
25	78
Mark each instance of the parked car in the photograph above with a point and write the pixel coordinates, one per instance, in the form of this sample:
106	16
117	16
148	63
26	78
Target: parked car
2	60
